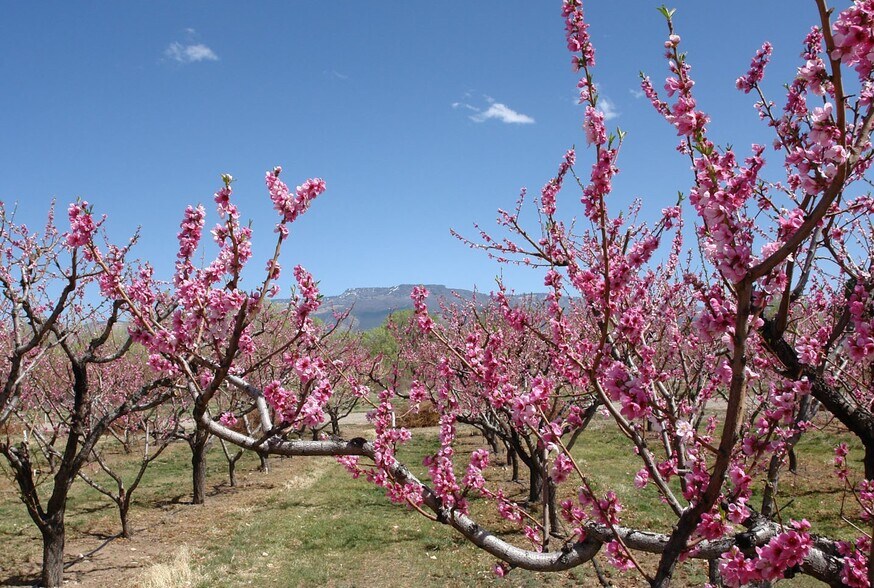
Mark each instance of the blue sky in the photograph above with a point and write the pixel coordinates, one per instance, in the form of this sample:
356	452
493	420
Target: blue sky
420	117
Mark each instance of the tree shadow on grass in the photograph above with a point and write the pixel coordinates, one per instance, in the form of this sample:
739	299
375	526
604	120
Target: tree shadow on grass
178	499
20	580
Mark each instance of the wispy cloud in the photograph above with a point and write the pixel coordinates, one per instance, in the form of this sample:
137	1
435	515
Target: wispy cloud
189	53
606	106
495	110
465	106
334	74
636	93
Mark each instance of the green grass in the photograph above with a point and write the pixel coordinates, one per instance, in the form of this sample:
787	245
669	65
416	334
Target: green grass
310	523
345	532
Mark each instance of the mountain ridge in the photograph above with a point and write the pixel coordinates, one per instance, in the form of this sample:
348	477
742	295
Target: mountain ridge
368	307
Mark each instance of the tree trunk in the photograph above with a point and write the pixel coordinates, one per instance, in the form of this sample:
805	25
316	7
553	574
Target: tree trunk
771	480
198	466
232	471
512	461
491	440
869	459
53	552
264	466
335	425
123	512
550	502
535	483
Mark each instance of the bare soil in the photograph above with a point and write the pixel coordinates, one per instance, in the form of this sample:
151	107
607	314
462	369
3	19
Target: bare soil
161	531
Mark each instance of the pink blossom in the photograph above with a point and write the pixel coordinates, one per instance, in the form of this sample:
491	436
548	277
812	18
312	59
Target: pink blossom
82	225
860	343
854	572
479	461
419	294
757	69
617	557
418	393
854	37
501	569
641	478
288	206
685	431
228	419
596	134
561	468
577	34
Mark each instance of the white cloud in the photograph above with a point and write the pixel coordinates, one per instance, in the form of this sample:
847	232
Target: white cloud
503	113
637	93
495	110
190	53
606	106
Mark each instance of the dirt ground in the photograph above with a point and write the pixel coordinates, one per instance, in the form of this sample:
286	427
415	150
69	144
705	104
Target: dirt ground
159	533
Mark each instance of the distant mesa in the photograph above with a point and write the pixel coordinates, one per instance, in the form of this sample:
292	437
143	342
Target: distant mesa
371	306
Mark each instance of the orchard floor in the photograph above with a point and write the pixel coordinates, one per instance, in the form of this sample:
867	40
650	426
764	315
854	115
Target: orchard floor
307	522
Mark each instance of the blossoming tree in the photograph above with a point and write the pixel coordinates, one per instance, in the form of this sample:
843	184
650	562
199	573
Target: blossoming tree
60	355
777	319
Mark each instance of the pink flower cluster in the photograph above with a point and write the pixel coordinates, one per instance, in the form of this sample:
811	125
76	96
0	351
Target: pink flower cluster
190	231
308	298
388	437
618	557
82	224
228	419
562	467
441	468
784	401
479	461
288	205
688	121
630	391
577	33
817	160
717	317
526	408
757	69
551	189
815	77
854	37
222	198
723	190
841	469
306	408
860	343
854	572
786	550
596	132
601	183
576	517
419	294
418	394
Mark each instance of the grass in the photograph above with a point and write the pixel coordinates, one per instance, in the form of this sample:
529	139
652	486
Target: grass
177	573
344	532
309	523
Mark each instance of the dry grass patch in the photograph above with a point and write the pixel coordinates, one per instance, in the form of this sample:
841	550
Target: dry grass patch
177	573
